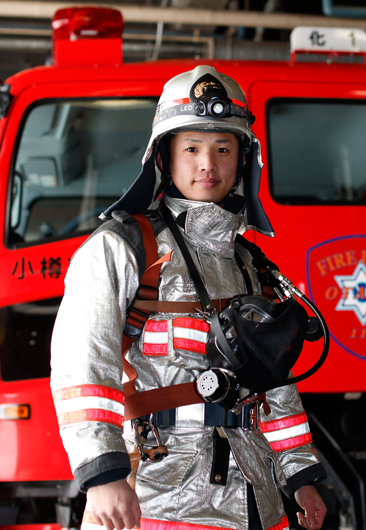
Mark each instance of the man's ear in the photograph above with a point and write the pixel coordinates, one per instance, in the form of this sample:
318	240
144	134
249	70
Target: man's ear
159	161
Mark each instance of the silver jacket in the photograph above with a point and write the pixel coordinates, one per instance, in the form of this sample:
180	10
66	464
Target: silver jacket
87	376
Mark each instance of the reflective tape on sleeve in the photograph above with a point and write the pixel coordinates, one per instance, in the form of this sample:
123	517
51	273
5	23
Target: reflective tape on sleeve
288	432
89	403
79	416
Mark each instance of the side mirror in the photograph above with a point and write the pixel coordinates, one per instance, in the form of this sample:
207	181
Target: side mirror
16	200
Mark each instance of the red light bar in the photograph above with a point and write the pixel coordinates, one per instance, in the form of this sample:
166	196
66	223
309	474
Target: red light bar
87	36
86	23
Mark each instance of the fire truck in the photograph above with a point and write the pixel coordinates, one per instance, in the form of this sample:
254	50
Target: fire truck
72	135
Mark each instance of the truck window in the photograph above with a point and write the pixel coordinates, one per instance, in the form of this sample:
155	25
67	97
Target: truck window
25	337
317	151
74	159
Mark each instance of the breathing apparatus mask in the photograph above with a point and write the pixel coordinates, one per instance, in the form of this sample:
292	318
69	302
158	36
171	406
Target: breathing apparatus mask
254	343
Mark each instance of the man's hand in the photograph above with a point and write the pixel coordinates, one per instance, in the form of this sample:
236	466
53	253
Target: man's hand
114	505
308	498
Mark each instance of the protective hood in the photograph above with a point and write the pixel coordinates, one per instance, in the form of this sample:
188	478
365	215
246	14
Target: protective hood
203	100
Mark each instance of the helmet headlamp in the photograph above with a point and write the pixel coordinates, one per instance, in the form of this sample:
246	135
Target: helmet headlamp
215	107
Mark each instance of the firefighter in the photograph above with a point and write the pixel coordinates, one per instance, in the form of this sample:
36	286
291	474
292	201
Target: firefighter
199	465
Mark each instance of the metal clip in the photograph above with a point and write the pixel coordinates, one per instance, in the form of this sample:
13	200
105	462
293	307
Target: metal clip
141	428
253	416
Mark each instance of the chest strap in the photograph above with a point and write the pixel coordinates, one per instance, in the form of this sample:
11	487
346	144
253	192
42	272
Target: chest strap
158	306
144	403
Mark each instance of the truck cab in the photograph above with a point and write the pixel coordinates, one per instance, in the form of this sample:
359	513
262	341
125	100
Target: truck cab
72	136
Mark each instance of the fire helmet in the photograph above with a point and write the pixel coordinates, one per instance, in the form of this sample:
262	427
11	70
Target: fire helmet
203	100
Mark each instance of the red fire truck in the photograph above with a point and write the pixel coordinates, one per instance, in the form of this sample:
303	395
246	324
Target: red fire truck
72	136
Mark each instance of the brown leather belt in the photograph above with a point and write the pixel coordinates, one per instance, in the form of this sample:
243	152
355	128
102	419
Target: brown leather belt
169	397
157	306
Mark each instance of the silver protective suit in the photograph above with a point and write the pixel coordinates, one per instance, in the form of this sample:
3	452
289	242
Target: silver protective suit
87	376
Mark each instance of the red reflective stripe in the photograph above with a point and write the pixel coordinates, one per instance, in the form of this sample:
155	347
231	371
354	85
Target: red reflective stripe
283	423
88	390
291	443
156	325
189	345
154	349
239	103
280	526
179	101
155	524
191	323
105	416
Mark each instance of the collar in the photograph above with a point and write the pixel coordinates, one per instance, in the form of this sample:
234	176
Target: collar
207	225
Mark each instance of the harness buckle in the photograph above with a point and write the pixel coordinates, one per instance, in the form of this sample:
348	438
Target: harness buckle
141	429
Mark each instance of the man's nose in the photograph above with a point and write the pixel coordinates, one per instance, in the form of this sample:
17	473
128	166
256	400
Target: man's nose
208	162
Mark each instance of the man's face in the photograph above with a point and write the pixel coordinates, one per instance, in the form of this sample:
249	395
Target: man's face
203	165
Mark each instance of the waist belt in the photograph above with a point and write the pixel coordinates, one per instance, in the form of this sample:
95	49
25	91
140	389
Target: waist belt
213	416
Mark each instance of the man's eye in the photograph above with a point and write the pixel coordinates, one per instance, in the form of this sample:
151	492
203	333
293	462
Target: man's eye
223	150
192	149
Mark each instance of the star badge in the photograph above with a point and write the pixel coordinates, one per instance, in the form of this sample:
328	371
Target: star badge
353	292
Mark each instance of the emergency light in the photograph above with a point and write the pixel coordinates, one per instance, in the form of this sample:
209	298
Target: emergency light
87	36
86	22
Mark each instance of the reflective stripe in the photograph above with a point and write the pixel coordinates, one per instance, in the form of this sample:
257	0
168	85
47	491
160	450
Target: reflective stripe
191	334
156	325
89	402
282	423
283	525
88	390
155	349
288	432
157	337
168	104
79	416
291	443
291	432
156	524
189	345
192	323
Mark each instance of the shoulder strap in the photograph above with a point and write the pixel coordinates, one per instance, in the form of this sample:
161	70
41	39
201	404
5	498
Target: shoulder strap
260	262
148	290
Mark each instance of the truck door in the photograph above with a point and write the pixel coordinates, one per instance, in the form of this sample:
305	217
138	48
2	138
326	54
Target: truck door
67	153
314	191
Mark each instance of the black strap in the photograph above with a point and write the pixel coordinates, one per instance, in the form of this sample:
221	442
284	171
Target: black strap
220	460
201	290
245	273
196	278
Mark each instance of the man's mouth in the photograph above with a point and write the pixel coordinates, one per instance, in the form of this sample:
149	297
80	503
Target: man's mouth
207	182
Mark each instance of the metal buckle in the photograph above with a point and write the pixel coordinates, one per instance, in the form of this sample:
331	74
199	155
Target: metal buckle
141	428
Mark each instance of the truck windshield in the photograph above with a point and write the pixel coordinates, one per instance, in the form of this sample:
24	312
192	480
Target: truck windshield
317	151
74	159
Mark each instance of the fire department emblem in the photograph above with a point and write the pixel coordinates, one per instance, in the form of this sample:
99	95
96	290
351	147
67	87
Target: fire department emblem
336	272
200	88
